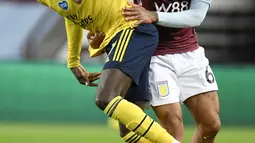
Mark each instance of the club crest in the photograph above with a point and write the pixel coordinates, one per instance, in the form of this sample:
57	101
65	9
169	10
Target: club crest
63	5
163	89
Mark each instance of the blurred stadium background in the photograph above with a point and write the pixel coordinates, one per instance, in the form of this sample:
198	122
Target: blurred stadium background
41	102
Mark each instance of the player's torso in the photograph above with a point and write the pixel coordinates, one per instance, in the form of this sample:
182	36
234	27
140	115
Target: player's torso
172	40
101	15
96	15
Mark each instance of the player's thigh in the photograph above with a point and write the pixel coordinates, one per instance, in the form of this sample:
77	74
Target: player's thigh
139	95
163	84
196	76
168	111
165	92
198	86
129	53
205	108
131	50
170	117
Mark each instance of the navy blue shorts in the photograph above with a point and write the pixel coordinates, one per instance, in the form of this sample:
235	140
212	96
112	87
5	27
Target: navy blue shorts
131	51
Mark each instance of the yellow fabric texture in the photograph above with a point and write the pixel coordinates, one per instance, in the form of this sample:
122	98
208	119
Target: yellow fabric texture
92	15
137	121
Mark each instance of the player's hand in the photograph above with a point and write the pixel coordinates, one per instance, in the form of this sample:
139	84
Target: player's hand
137	12
95	39
84	77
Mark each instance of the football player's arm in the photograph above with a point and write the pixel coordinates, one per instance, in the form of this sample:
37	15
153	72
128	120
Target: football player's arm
95	39
185	19
74	38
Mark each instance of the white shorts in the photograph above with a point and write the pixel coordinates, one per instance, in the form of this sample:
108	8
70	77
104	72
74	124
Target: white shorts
177	77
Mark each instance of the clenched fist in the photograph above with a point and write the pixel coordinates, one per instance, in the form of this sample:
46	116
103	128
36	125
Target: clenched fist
95	39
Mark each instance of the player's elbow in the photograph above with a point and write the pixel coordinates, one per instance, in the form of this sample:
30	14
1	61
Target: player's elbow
196	24
198	18
193	21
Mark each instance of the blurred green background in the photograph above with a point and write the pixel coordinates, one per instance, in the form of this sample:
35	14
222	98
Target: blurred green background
43	103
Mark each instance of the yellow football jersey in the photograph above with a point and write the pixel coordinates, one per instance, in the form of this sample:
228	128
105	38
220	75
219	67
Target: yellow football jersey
93	15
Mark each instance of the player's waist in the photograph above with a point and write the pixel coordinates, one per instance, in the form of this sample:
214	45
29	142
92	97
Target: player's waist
164	49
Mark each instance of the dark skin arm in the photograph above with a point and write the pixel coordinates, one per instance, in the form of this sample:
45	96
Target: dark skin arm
84	77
